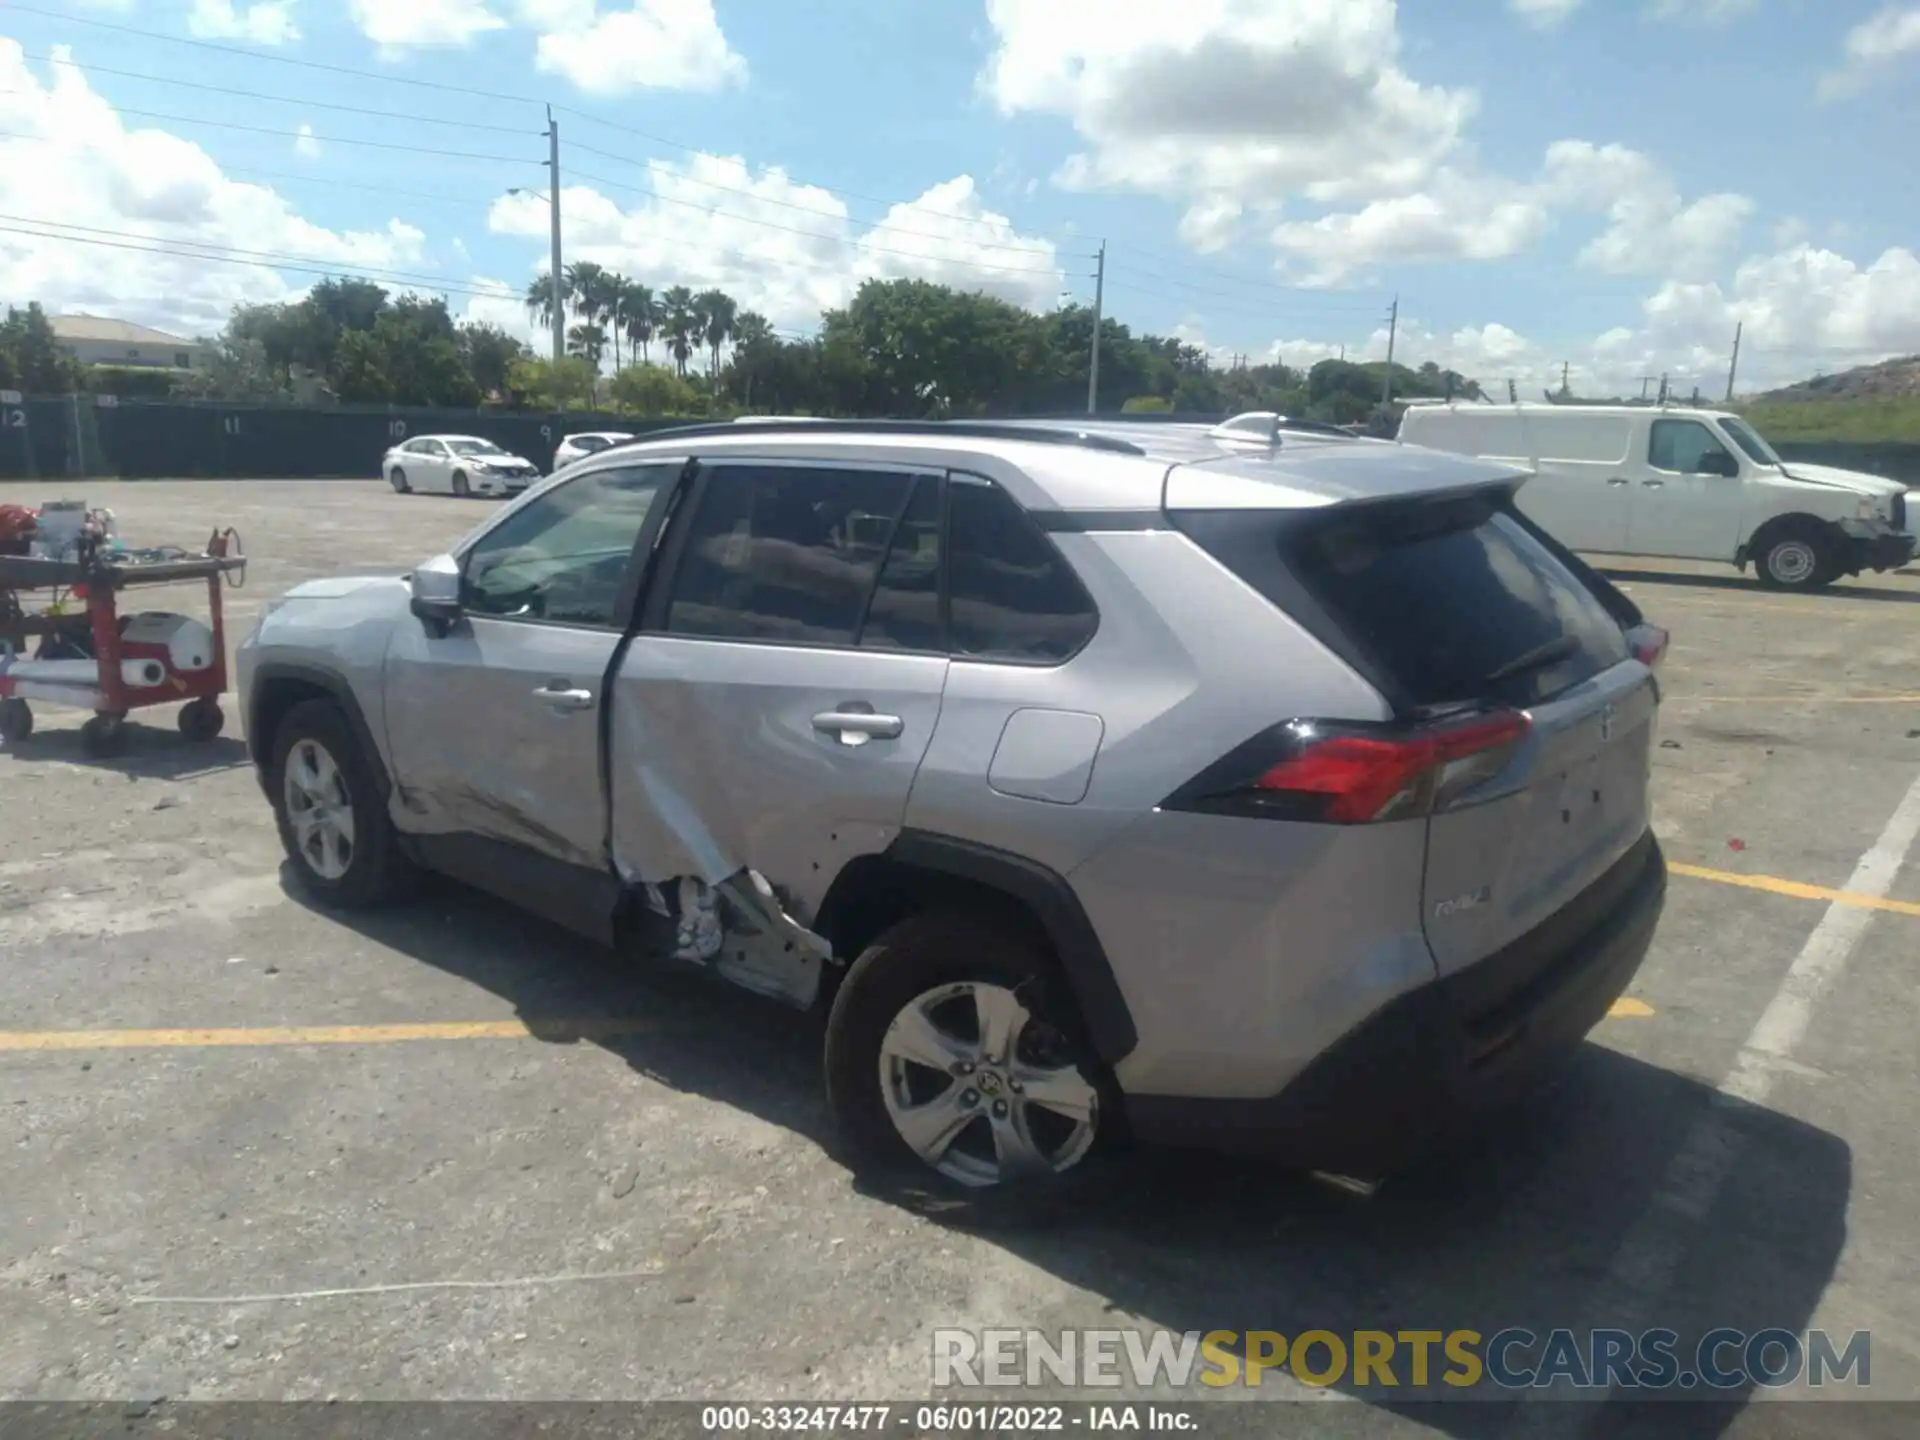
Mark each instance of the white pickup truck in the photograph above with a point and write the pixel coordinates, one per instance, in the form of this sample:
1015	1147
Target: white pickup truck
1680	483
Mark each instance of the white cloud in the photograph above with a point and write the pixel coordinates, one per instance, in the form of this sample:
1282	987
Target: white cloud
1651	229
1461	218
1257	99
397	26
305	143
267	23
658	44
77	164
787	249
1873	49
1544	14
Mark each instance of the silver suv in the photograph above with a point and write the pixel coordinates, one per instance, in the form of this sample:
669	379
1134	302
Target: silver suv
1256	788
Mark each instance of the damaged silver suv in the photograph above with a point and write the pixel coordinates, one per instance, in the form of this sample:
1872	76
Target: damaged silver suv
1258	787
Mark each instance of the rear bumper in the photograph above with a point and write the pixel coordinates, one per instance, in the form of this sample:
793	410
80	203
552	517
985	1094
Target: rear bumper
1430	1066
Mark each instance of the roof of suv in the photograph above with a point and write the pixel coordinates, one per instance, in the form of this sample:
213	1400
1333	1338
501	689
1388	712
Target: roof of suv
1121	465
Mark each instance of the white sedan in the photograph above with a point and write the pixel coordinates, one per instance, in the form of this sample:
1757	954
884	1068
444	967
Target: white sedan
456	465
578	447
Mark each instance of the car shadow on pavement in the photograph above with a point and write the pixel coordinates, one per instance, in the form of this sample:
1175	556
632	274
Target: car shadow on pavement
153	751
1543	1223
1742	584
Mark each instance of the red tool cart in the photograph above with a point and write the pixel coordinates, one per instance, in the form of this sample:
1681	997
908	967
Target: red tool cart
113	663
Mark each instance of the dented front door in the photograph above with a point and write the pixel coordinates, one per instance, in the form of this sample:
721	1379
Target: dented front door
773	711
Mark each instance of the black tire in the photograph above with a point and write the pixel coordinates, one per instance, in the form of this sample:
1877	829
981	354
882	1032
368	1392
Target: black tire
201	720
376	870
915	956
1797	557
104	736
460	485
16	720
399	479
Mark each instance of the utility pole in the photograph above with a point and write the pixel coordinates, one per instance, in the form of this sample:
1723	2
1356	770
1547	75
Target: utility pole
1565	390
1393	328
559	282
1099	295
1733	366
1645	381
1663	389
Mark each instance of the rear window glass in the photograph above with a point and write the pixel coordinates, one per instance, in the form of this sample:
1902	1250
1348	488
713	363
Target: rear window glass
1011	595
1455	601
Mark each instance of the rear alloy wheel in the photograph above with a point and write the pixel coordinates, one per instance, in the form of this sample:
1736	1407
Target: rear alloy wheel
399	479
460	486
978	1090
954	1068
1796	560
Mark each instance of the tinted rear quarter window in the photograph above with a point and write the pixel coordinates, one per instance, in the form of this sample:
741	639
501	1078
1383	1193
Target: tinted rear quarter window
1013	596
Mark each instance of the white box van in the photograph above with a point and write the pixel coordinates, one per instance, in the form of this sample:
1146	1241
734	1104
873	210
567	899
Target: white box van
1681	483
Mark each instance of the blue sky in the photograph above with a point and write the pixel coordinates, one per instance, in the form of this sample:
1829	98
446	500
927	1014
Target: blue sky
1614	184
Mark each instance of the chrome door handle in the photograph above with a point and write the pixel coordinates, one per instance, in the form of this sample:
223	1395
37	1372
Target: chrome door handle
1619	481
856	727
561	697
1653	484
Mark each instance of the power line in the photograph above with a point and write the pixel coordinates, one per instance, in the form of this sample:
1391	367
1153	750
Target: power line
816	234
307	135
1255	308
356	73
361	74
94	69
296	175
185	249
1233	276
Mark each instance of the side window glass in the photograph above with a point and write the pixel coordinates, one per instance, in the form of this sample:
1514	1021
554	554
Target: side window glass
564	557
1680	446
1012	595
905	612
784	552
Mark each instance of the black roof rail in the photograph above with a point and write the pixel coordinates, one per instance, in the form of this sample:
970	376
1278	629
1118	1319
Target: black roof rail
1038	434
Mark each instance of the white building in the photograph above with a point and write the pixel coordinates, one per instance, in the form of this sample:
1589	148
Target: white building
94	340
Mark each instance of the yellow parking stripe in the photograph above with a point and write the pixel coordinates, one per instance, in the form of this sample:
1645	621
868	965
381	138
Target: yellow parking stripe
1773	885
594	1028
1628	1008
1813	698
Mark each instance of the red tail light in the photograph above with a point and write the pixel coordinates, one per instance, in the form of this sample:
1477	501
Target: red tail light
1342	774
1649	644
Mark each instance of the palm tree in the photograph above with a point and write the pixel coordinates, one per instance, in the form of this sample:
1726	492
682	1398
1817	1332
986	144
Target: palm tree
752	337
613	312
587	287
639	314
719	312
680	323
589	342
539	300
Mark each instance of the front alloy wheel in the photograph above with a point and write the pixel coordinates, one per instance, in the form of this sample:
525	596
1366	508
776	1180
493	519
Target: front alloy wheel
319	809
982	1091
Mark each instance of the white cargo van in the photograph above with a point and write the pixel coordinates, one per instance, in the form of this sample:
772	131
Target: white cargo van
1682	483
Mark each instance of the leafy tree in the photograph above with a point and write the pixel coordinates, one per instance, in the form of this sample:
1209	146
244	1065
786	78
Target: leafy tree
646	389
489	353
233	368
31	358
533	377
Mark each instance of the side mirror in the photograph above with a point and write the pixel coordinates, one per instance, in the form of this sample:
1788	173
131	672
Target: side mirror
1719	462
436	594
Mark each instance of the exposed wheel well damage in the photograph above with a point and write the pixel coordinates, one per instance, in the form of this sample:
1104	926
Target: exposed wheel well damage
278	688
921	872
